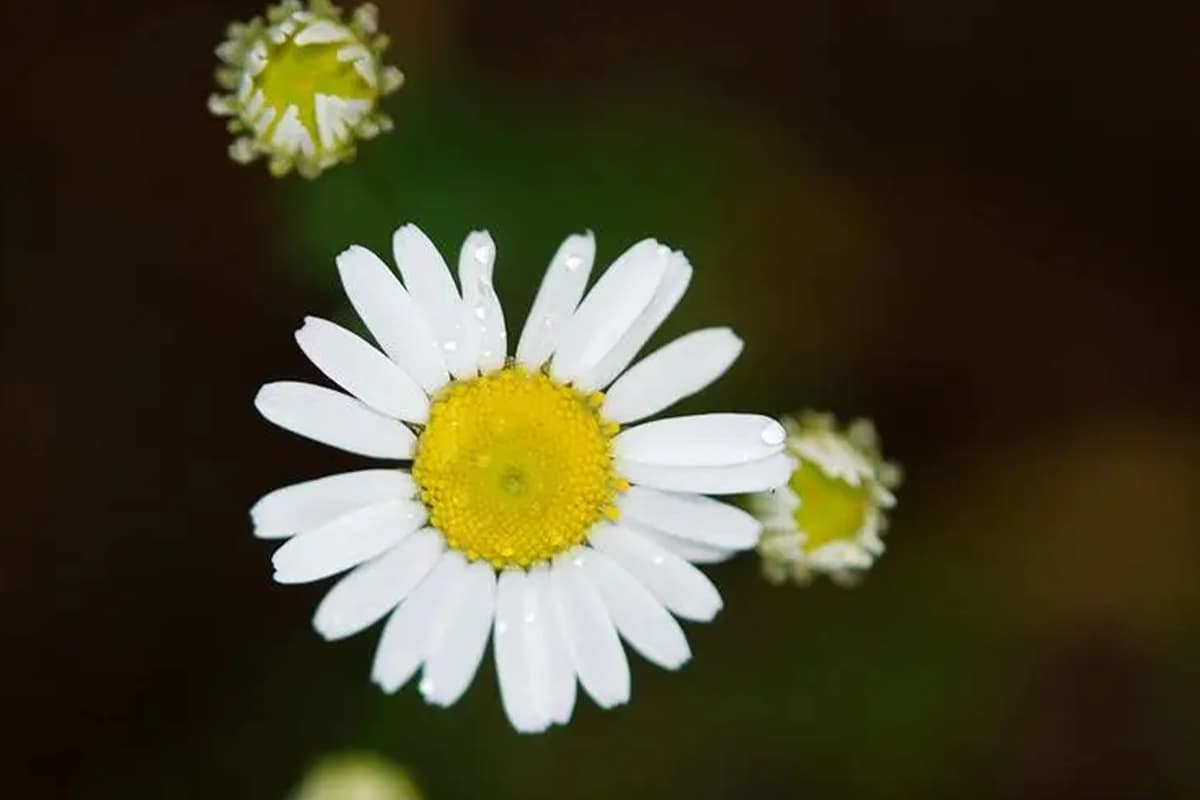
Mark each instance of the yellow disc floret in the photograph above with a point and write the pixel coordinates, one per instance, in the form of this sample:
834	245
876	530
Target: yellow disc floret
831	509
515	467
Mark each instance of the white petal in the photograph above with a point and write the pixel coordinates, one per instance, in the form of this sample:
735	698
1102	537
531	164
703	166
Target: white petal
549	658
311	504
418	625
674	283
524	702
637	615
703	440
475	264
754	476
610	309
347	541
322	31
692	516
671	373
592	641
367	594
428	281
687	549
393	319
556	300
362	370
682	588
451	667
334	419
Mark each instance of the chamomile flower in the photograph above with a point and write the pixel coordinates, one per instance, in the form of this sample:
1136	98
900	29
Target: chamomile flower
521	509
829	516
356	776
303	86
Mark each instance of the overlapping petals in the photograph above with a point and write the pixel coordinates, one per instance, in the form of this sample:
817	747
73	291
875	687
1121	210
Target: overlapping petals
559	623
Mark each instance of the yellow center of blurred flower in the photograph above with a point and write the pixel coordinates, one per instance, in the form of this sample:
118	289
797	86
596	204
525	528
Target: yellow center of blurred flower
515	467
326	91
830	508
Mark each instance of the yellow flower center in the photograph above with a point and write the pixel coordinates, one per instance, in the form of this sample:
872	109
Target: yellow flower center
296	75
515	467
830	508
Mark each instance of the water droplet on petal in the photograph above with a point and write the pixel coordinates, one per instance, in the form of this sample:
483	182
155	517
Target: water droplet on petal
501	628
450	345
657	561
530	616
483	253
573	262
480	312
426	687
773	433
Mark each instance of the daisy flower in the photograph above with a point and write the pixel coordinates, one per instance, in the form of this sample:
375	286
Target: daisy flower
521	510
829	516
356	776
302	87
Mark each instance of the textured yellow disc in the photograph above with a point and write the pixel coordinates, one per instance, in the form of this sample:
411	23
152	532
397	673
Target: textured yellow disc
830	508
515	467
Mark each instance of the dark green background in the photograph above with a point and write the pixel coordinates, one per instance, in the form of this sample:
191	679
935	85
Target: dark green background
969	221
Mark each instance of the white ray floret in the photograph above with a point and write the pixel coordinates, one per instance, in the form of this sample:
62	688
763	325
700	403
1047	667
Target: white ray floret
519	511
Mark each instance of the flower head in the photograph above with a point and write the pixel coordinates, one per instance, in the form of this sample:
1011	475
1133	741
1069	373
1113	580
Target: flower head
356	776
829	516
303	86
522	508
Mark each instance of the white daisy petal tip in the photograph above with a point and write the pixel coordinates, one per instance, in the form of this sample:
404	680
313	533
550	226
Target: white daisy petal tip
334	419
427	279
347	541
702	440
609	311
829	517
362	370
557	300
668	375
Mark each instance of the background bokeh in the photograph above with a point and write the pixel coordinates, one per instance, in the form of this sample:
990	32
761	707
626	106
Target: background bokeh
973	221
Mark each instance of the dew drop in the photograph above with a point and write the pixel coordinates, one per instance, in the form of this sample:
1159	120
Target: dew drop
573	262
480	312
501	628
483	253
530	616
425	686
773	433
450	346
657	561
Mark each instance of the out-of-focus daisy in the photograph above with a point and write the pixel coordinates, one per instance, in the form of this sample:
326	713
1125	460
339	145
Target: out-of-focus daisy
356	776
829	516
303	86
526	513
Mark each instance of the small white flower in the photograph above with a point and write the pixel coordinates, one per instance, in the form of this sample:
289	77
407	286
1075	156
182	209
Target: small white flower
303	87
829	516
522	511
356	776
